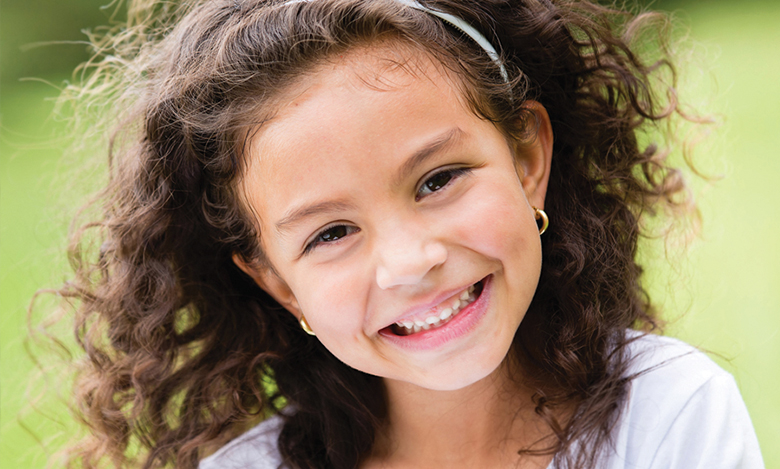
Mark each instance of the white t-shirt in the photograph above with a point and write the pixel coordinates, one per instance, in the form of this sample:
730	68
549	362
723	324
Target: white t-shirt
685	412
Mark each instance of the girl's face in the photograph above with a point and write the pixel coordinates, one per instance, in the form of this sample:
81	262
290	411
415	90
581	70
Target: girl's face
397	221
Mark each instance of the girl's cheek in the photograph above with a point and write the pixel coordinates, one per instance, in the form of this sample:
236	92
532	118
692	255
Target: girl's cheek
494	222
329	295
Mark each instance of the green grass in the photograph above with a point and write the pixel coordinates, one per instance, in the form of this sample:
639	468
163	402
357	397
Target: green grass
731	302
33	224
725	293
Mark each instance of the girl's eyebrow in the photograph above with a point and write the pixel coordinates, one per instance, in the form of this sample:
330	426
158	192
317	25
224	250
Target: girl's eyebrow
434	147
296	215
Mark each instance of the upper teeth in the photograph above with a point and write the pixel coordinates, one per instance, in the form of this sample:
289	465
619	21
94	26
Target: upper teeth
449	311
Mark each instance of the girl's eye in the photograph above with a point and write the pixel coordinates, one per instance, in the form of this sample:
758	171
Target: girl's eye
440	180
330	235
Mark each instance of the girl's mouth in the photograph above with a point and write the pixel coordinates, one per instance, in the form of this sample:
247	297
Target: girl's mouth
440	315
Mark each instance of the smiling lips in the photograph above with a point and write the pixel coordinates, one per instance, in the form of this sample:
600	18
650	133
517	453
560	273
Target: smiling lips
438	316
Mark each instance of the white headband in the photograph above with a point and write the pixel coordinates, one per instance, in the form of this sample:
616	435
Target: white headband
456	22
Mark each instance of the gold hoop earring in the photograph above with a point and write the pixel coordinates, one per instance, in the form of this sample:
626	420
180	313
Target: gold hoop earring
539	214
305	326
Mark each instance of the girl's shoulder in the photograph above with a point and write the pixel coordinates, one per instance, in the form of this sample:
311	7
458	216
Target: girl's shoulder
683	411
658	358
256	449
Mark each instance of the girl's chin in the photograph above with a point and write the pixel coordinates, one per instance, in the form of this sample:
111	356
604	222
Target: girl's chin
444	377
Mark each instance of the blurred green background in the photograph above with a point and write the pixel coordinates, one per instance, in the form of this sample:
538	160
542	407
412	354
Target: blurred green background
723	296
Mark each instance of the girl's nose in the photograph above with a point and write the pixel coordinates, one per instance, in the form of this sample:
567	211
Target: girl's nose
407	263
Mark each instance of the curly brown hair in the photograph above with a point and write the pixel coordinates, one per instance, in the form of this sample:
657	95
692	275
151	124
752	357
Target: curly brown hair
184	351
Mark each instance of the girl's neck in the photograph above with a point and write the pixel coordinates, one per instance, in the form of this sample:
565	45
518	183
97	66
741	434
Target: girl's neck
481	425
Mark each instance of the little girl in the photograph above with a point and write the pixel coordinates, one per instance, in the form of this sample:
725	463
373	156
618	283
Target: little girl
387	234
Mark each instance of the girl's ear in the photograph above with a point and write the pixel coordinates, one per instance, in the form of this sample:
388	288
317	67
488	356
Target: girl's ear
533	159
271	283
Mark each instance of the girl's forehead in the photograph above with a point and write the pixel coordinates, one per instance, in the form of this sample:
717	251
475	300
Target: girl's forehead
382	65
368	72
339	103
356	116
